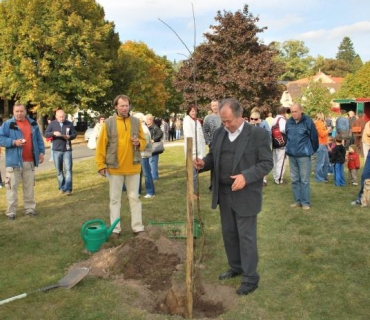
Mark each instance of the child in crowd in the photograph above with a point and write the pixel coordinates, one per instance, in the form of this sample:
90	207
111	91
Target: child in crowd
331	145
338	157
353	164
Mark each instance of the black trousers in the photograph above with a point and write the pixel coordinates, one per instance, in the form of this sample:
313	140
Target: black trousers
240	239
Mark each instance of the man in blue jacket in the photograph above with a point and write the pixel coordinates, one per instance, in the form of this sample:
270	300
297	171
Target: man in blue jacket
25	149
302	143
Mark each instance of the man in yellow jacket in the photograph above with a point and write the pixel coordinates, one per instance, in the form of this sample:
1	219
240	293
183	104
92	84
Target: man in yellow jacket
117	157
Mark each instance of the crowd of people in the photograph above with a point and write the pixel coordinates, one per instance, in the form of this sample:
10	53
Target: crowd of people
239	153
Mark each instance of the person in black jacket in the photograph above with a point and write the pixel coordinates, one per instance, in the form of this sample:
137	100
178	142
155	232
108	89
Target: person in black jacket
338	157
62	131
156	134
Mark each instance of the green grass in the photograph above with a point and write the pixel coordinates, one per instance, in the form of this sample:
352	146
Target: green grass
313	265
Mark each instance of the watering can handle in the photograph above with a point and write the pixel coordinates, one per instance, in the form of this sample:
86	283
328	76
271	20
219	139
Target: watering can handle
87	223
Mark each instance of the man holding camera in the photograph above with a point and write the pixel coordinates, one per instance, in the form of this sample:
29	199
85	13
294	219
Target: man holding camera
25	149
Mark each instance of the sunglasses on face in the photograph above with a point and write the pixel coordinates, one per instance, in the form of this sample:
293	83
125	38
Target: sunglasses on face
254	119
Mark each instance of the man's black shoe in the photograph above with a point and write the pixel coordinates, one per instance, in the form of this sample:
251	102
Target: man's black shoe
228	274
246	288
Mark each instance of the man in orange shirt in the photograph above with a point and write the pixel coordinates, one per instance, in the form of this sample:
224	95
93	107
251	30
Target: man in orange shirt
25	149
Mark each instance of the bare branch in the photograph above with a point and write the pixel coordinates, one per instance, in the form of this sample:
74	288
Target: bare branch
176	35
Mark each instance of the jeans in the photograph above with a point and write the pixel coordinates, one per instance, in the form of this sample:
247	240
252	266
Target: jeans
330	168
365	175
178	134
300	169
339	175
322	164
51	151
149	184
63	166
153	160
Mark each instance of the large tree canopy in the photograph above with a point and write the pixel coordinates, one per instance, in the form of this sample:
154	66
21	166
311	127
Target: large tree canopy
293	54
232	63
332	67
347	55
143	77
55	53
316	98
346	51
356	85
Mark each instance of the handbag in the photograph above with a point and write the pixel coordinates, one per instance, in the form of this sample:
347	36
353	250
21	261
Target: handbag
356	130
157	148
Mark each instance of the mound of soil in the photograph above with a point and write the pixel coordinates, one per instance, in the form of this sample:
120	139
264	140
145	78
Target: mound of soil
150	264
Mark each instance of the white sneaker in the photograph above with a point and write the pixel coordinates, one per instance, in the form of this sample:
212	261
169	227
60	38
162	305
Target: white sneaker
148	196
356	202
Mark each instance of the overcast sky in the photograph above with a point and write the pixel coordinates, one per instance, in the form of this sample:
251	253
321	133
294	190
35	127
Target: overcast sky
320	24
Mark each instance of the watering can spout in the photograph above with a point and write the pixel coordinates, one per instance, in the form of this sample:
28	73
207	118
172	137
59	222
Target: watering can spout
110	230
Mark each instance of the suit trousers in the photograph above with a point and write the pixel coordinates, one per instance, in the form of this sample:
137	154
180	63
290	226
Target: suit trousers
115	194
14	176
240	239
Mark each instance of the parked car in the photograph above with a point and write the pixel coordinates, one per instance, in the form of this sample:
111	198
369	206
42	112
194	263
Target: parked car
88	133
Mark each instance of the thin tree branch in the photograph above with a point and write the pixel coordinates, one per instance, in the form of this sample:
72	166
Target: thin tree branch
176	35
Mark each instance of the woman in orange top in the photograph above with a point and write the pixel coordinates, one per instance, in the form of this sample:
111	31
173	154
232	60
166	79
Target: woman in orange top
322	162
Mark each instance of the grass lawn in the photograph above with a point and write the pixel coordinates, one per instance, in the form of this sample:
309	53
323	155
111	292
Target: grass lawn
313	264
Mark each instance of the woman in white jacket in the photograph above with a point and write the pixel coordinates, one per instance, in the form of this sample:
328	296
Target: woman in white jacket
192	127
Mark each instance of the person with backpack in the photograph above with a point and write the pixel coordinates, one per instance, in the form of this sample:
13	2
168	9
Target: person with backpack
278	145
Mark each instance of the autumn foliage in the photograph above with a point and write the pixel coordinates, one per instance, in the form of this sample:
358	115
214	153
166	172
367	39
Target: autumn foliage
232	62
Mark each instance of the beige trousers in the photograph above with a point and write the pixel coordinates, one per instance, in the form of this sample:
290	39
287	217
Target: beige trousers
115	194
365	149
13	177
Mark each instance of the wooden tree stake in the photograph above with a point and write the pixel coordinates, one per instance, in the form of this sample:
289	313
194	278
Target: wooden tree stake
189	228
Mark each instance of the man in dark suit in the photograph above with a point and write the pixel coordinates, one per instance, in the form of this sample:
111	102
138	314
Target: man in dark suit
240	156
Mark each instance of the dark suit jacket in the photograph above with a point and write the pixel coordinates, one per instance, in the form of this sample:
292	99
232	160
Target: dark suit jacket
253	159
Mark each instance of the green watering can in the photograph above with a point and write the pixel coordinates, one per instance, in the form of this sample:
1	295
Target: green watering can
95	232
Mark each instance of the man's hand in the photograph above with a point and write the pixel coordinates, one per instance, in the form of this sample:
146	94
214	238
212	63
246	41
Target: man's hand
41	158
239	182
198	163
19	142
103	172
